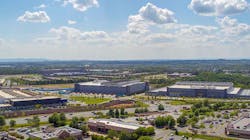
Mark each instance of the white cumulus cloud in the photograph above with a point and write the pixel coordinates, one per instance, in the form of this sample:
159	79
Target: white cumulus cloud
218	7
81	5
42	6
39	16
65	33
71	22
149	15
231	26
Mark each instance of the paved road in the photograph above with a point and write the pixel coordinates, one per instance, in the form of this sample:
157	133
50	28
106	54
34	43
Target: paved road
173	110
45	117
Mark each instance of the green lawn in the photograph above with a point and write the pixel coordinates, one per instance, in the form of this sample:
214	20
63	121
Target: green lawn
90	100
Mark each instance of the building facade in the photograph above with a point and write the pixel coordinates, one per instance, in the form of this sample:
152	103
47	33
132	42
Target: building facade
103	126
200	89
32	101
115	88
240	127
57	133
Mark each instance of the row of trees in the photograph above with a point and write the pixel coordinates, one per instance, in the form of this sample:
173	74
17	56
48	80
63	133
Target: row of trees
21	81
58	119
117	114
12	123
238	79
165	121
140	134
206	108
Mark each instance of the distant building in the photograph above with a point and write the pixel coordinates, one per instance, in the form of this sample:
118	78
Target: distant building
116	88
177	75
202	89
158	92
240	127
104	125
32	101
17	99
63	72
57	133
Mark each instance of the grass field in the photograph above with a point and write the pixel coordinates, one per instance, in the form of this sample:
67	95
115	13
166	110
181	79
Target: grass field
55	86
90	100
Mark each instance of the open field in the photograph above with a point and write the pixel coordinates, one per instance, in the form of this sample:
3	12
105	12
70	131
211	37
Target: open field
89	100
55	86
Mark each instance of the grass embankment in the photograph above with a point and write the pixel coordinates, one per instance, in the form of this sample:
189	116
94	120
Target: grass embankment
90	100
204	137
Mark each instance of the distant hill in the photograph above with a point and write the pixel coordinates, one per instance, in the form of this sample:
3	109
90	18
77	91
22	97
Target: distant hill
24	60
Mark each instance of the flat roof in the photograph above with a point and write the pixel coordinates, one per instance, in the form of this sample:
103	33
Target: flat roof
199	87
205	83
241	124
5	105
2	81
54	133
245	92
122	83
21	93
202	85
108	83
116	123
93	83
235	91
34	98
163	89
6	95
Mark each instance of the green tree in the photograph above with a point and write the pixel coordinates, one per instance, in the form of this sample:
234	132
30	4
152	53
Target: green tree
58	119
122	112
113	134
168	121
243	105
182	120
12	123
36	121
2	121
74	122
111	113
171	121
84	129
117	113
160	107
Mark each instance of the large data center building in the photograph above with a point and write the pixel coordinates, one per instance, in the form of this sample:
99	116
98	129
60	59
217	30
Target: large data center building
201	89
115	88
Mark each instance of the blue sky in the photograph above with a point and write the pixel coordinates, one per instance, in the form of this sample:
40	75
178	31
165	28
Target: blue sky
130	29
